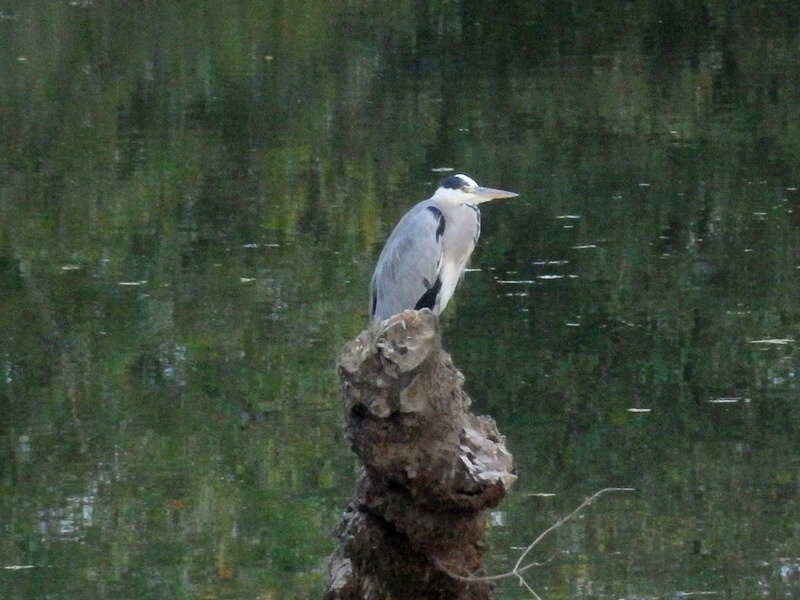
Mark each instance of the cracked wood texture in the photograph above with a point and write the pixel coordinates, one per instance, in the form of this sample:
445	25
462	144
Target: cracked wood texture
431	469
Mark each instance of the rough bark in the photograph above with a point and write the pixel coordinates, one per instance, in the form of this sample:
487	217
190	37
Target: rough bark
431	469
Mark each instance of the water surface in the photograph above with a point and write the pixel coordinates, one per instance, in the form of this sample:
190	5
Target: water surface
192	199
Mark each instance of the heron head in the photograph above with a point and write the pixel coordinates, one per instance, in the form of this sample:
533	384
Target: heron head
465	190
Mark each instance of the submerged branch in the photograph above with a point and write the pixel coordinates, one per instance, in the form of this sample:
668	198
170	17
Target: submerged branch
517	570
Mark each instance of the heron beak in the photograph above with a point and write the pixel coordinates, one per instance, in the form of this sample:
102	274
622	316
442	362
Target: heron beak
485	194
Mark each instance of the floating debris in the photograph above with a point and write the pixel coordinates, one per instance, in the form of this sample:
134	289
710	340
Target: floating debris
573	324
255	245
568	216
774	341
549	277
791	570
639	410
540	263
584	247
70	267
442	169
520	281
497	518
725	400
132	283
246	279
17	567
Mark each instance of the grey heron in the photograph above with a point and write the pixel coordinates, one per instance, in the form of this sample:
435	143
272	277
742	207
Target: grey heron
427	252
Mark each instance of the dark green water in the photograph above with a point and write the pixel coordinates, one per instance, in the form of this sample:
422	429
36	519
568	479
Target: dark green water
192	198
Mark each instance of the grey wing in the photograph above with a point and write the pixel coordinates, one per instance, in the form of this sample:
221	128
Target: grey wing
407	273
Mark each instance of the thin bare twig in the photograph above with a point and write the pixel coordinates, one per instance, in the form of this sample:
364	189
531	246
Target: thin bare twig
524	583
518	570
560	522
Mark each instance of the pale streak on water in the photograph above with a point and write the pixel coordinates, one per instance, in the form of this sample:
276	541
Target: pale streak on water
728	400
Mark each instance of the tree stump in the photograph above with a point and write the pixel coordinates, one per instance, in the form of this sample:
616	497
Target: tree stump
431	469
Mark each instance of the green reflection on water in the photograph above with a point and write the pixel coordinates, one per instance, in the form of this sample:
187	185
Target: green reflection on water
191	200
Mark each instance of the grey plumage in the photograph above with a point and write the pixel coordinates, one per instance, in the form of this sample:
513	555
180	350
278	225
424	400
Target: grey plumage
427	251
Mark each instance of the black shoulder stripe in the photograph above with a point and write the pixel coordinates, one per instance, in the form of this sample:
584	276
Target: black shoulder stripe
374	303
440	228
428	299
440	216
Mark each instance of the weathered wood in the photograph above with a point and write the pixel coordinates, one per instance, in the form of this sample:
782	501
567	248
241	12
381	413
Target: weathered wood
431	469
